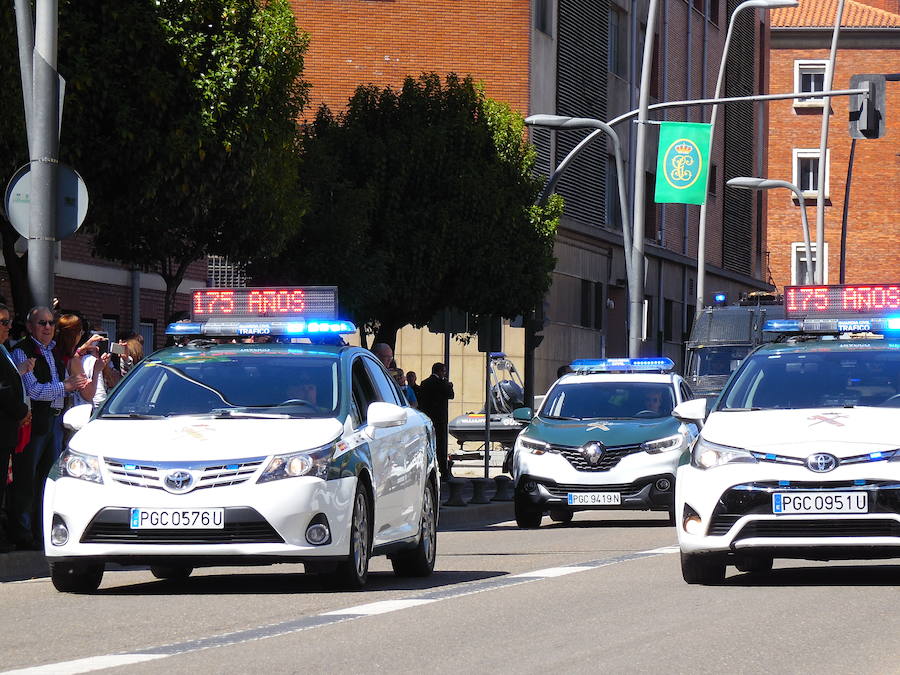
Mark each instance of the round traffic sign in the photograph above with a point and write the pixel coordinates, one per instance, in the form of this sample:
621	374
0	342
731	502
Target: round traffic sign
71	204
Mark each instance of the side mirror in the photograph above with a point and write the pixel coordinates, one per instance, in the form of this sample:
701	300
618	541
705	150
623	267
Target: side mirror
523	414
77	417
382	415
691	411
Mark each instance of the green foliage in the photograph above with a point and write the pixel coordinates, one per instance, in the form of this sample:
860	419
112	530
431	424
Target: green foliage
422	199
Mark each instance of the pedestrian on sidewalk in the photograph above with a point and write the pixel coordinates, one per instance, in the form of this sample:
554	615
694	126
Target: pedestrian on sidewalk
434	392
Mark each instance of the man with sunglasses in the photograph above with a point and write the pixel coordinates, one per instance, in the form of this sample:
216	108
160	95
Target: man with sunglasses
46	386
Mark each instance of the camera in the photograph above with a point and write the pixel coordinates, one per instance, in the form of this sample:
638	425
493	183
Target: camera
102	343
116	348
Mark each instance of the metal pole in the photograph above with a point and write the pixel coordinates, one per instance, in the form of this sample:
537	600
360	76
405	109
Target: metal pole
487	413
44	159
823	149
636	300
804	223
846	210
25	31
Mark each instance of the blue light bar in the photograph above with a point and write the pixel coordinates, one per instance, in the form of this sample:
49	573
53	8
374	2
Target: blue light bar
298	328
833	325
648	365
782	326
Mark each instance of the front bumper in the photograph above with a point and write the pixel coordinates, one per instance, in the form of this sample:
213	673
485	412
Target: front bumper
734	507
262	522
654	493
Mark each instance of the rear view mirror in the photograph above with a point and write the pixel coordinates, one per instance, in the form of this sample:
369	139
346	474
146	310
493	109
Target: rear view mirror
77	417
691	411
522	414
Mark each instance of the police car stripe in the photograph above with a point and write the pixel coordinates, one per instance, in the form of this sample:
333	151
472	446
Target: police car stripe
330	618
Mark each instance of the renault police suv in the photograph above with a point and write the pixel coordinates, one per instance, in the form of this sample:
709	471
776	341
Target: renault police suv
246	453
800	455
604	438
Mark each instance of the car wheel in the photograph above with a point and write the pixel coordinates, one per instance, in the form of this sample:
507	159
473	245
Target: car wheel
702	568
353	572
528	515
419	561
754	564
171	572
561	516
75	577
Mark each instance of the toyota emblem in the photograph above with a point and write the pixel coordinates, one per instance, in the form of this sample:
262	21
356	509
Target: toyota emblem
178	481
593	452
821	462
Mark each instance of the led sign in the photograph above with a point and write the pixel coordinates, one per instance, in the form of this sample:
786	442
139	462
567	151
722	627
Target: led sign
848	301
264	303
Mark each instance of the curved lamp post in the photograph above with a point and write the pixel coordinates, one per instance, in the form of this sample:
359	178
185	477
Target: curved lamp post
635	307
701	231
748	183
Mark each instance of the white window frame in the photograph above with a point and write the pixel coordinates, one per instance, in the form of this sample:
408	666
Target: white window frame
802	66
798	260
809	153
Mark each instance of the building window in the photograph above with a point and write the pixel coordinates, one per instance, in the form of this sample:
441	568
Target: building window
713	11
220	273
542	16
806	171
799	277
669	320
618	41
809	76
613	205
650	231
586	287
147	330
599	305
110	326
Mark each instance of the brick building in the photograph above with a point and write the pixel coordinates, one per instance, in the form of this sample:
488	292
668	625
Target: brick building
578	58
869	43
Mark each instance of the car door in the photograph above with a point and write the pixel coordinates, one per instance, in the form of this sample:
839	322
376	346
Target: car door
406	455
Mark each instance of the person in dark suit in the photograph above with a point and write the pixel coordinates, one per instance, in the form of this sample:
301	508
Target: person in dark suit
434	392
14	410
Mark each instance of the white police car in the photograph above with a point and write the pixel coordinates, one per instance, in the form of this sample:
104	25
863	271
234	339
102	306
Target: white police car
604	438
247	453
800	455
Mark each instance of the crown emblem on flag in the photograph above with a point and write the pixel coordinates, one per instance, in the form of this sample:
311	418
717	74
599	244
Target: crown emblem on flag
684	149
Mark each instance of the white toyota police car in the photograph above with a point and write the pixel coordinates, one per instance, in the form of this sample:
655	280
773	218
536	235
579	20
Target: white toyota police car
800	455
247	452
604	438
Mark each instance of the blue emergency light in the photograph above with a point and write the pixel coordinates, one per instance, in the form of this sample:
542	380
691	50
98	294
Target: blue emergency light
645	365
872	324
301	328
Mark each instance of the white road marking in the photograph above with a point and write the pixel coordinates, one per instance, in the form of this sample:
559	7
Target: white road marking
88	665
94	663
381	607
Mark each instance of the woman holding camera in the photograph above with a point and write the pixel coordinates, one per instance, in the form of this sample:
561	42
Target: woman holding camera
82	357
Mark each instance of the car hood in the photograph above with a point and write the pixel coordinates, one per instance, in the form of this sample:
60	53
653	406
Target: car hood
576	433
200	438
843	432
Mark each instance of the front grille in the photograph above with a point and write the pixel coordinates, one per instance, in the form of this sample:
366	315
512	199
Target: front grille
611	457
563	489
838	527
206	474
243	525
756	498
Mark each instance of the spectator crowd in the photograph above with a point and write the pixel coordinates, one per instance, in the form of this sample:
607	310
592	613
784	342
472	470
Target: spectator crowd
54	363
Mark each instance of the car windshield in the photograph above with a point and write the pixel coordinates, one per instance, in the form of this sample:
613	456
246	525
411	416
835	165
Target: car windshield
718	360
229	384
609	400
817	378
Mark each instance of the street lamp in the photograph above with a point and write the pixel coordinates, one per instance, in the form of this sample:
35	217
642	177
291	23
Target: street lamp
748	183
635	304
701	231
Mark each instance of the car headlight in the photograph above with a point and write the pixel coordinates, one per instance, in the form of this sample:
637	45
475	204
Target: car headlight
532	445
78	465
303	463
675	442
707	455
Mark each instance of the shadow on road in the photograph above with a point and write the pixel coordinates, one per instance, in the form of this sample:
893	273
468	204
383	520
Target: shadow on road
579	524
281	583
838	575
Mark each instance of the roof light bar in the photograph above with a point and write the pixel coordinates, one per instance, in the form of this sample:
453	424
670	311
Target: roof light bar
301	328
647	365
833	325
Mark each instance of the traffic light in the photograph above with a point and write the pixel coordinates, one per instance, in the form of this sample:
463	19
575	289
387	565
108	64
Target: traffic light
490	333
867	110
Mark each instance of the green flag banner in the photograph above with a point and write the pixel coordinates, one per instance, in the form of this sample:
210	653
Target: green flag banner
682	164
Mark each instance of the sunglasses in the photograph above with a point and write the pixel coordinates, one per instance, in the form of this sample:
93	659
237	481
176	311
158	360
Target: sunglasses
5	322
45	322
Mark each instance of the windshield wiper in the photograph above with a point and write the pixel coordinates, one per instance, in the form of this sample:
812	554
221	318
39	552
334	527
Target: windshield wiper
246	414
132	416
740	409
560	417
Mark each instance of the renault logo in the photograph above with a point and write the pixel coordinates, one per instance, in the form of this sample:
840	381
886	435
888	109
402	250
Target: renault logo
178	481
821	462
593	452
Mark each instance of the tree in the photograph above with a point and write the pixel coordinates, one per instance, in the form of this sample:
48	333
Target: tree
181	116
421	199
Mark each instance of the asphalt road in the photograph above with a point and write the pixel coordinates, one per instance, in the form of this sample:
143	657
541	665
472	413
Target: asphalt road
604	594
